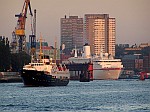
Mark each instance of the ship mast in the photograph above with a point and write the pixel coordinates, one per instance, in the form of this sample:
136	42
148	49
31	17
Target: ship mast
55	52
40	53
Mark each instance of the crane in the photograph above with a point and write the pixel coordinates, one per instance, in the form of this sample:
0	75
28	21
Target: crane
20	28
32	38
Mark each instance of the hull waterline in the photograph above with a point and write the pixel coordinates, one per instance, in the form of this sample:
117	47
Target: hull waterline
39	78
106	74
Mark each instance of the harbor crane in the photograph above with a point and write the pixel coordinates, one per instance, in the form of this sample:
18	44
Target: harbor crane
19	33
32	37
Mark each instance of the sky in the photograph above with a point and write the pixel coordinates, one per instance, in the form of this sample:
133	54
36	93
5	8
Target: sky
132	17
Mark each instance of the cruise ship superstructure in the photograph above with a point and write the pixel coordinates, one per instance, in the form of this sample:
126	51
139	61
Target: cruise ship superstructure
104	66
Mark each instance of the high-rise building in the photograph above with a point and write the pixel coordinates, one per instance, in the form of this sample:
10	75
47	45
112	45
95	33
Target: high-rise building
100	33
71	33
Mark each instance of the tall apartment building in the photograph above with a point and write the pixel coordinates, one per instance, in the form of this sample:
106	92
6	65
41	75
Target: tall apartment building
100	33
71	33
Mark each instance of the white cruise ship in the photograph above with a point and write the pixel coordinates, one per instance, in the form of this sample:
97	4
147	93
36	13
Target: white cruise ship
105	67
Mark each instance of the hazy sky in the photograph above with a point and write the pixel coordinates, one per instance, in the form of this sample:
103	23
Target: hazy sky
132	17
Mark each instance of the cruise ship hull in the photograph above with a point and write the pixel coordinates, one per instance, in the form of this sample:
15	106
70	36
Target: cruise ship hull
39	78
106	74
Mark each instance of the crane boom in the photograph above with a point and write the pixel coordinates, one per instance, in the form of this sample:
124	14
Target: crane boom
20	28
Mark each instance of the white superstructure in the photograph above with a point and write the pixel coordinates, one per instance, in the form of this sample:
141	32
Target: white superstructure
105	67
48	68
86	56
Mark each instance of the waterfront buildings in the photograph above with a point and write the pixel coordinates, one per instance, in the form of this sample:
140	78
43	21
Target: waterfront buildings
146	59
100	33
136	58
46	50
146	63
71	33
132	62
123	45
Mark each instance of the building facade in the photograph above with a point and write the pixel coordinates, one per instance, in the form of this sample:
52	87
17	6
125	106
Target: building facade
146	63
71	33
100	33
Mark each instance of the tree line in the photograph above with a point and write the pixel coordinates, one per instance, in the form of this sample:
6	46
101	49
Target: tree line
11	61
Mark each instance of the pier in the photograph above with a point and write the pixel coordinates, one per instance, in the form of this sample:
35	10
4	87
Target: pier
81	72
10	77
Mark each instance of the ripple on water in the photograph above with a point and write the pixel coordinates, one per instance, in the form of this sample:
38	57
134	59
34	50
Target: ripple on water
105	96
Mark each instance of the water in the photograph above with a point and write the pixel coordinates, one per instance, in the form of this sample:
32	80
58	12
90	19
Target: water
94	96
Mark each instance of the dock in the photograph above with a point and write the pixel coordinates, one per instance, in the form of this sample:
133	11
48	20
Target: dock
10	77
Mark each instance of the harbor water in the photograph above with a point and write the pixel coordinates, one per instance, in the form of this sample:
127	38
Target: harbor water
95	96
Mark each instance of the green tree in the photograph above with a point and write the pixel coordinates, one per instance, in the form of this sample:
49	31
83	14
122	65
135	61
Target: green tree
18	60
4	56
7	60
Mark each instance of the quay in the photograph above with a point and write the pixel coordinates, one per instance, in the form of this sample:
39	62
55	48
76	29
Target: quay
10	77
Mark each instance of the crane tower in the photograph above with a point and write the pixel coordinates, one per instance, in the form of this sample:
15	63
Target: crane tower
32	38
20	28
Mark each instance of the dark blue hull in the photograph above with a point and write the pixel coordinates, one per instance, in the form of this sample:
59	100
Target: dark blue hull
39	78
